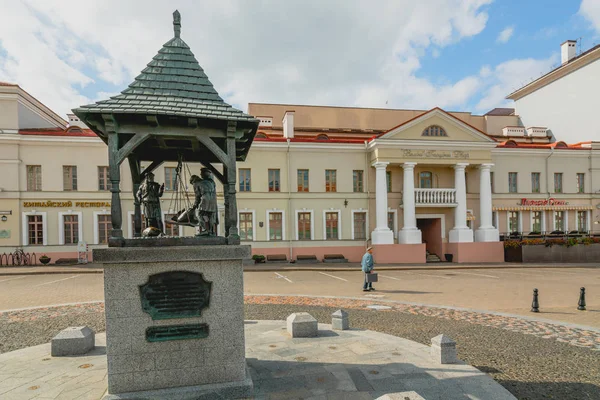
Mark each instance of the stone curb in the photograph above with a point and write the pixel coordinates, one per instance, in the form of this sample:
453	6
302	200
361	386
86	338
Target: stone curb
519	316
418	267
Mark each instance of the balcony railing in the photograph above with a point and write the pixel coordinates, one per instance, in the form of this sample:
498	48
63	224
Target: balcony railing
435	197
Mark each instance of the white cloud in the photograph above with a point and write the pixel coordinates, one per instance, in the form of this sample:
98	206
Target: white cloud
485	71
354	53
590	10
506	34
509	76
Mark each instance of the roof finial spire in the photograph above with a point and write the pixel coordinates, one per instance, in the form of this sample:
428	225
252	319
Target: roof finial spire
177	23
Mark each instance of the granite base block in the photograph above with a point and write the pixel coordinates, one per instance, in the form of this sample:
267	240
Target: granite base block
302	324
73	341
229	390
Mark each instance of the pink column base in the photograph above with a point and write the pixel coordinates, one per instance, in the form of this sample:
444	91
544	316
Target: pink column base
399	253
476	252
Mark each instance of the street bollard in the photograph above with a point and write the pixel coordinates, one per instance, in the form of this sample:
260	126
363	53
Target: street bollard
535	306
581	303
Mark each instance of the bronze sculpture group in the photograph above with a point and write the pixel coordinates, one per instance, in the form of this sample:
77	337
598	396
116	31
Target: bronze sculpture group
202	214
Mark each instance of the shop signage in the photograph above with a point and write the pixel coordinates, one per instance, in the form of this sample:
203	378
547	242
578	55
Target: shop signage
82	204
542	202
435	154
4	233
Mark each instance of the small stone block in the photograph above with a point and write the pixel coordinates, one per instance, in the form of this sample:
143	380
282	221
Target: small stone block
302	324
443	350
73	341
412	395
339	320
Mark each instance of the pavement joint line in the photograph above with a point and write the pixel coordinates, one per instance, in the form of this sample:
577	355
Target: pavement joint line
518	316
333	276
58	280
12	279
433	276
284	277
471	273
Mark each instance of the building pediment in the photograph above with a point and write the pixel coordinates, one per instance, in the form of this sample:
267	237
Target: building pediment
438	126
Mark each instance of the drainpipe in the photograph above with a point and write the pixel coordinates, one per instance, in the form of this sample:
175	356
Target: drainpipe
367	169
548	188
289	218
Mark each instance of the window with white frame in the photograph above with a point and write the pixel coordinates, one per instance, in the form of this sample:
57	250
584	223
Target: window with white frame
34	178
559	221
70	228
360	225
536	221
104	227
512	182
558	182
580	183
304	225
582	217
35	229
332	225
69	177
246	222
275	225
103	178
513	221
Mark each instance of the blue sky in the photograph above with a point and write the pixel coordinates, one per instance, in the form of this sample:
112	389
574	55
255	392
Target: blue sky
389	53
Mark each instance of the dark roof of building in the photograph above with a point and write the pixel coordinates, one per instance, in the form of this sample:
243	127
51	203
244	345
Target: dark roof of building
173	83
499	111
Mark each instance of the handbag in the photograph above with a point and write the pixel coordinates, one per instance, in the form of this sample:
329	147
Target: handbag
372	277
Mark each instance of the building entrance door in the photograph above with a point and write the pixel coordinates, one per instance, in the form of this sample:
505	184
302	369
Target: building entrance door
431	233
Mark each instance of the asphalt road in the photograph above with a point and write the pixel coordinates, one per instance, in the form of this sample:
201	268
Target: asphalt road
504	290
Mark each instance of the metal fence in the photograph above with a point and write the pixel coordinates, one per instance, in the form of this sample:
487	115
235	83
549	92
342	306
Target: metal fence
549	235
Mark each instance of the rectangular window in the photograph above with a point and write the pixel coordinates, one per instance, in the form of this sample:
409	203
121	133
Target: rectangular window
275	226
304	226
360	225
104	228
582	221
357	181
71	228
170	178
512	182
492	180
103	178
69	177
35	229
331	226
559	221
274	180
558	186
388	178
580	183
535	182
390	221
303	180
246	231
330	180
513	221
171	229
494	216
34	178
244	179
536	221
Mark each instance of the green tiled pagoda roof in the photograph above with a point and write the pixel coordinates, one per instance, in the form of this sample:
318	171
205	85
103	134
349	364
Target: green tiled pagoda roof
173	83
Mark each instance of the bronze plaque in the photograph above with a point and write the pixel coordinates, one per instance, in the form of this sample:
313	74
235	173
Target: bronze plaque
176	332
175	294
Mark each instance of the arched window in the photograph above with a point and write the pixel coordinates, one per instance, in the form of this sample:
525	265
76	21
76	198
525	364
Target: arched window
261	135
434	130
74	129
425	180
322	136
561	145
510	143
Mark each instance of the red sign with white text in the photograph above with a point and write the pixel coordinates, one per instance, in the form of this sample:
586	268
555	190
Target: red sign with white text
543	202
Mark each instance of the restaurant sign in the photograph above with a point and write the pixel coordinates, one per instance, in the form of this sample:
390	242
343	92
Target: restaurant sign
543	202
83	204
435	154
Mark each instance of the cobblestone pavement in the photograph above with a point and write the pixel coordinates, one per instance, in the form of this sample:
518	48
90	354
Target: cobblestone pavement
574	336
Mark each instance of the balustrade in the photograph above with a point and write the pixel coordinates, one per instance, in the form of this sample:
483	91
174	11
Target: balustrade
435	197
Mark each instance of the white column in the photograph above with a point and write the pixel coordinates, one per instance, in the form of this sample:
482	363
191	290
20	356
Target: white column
461	232
382	233
409	234
486	231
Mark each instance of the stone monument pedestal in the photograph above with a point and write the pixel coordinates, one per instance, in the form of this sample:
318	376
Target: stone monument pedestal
175	321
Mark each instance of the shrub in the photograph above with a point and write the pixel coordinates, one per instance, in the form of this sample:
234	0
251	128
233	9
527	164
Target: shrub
512	244
571	242
533	242
587	241
258	258
557	242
